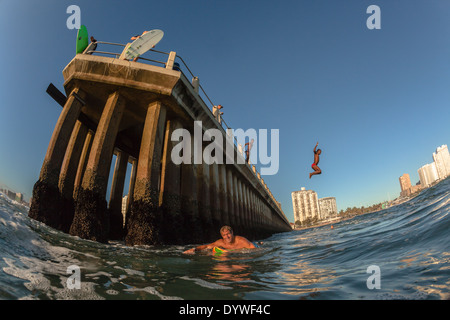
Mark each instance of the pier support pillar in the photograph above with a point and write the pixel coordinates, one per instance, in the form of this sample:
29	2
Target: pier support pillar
115	202
68	174
236	209
130	193
172	220
255	216
204	202
214	196
223	195
83	162
230	192
241	207
192	229
47	204
248	228
91	219
252	215
144	217
193	232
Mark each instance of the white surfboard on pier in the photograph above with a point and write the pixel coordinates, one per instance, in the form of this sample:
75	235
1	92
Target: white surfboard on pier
143	44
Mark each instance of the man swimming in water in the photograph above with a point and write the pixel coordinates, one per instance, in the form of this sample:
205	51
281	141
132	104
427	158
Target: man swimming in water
228	241
316	162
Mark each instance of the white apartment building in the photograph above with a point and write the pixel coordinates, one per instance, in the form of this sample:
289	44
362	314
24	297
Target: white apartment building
442	160
305	204
328	208
428	174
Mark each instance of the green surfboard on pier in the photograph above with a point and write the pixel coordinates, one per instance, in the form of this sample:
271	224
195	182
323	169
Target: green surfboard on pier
82	39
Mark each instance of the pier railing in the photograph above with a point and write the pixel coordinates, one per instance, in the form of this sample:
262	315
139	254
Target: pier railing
170	63
175	66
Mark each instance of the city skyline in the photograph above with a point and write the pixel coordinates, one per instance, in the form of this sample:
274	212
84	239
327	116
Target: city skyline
428	173
315	71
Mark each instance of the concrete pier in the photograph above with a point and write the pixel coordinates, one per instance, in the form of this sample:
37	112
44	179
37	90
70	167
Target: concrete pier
131	109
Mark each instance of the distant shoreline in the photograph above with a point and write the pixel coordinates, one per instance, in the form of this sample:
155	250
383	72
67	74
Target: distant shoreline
357	215
321	224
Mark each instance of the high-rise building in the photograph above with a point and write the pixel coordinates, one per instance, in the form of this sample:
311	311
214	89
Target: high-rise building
19	197
306	205
442	160
328	207
405	184
428	174
11	194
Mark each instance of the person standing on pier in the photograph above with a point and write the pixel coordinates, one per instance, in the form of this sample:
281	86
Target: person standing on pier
91	47
137	37
217	114
247	151
316	162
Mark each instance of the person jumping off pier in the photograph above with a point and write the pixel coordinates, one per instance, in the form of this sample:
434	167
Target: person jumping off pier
316	162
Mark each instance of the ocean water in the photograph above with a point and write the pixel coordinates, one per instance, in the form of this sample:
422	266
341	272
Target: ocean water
402	252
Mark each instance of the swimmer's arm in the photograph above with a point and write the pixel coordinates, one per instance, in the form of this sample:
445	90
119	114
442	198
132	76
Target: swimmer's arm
196	249
202	247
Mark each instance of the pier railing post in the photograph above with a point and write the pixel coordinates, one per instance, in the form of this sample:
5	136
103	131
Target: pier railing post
196	84
171	60
122	55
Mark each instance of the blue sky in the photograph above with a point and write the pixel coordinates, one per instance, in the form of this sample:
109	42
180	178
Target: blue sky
377	101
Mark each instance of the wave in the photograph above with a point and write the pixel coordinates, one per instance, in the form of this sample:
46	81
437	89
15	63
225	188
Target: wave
408	242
